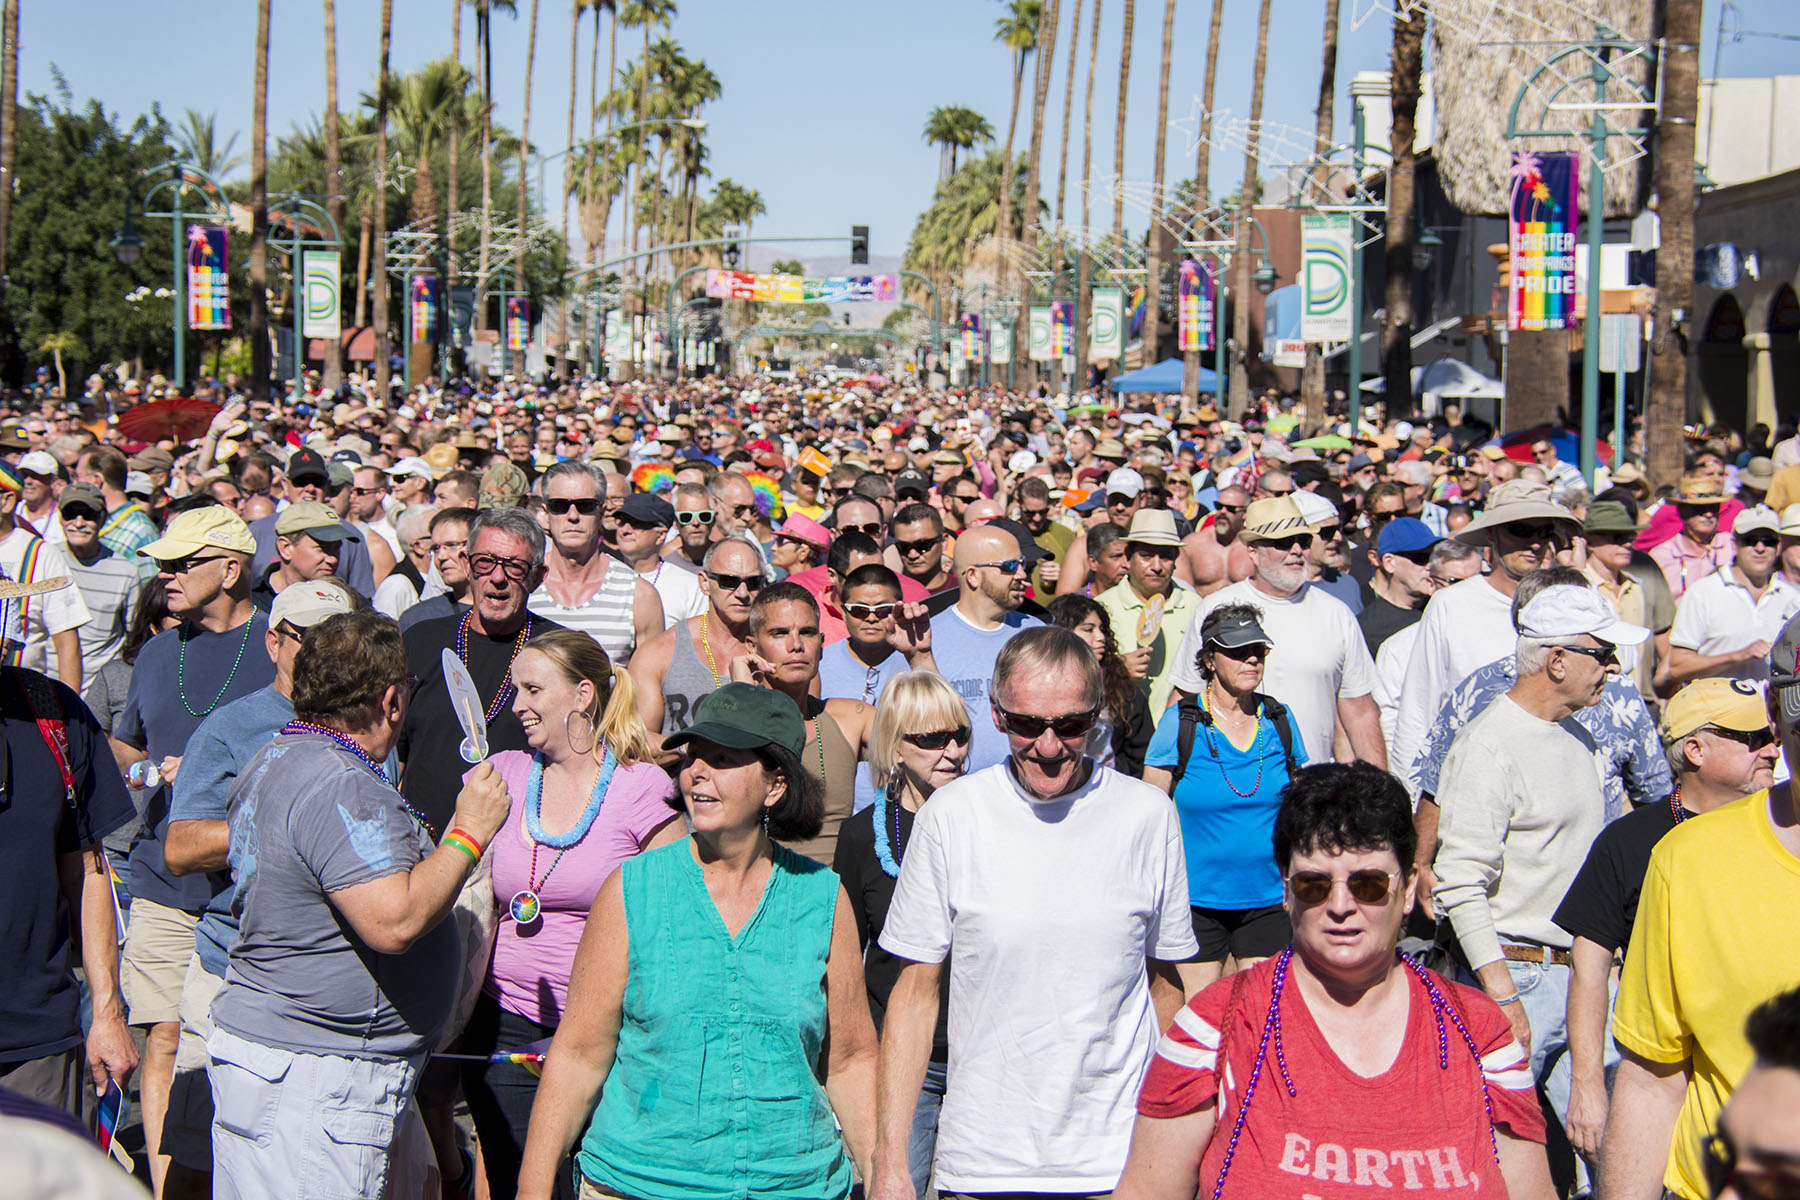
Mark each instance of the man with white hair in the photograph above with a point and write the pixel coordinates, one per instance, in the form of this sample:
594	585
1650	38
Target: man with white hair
1415	480
1327	554
1521	804
405	584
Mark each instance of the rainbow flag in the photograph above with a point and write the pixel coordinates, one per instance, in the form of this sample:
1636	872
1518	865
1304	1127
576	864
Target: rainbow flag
1062	329
1542	231
1137	311
518	322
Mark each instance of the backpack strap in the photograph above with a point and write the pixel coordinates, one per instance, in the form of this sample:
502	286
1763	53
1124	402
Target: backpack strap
47	711
1277	713
1189	713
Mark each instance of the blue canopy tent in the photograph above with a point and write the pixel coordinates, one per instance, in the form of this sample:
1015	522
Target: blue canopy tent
1163	379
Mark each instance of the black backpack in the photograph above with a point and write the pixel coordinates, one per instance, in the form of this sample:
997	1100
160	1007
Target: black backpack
1192	715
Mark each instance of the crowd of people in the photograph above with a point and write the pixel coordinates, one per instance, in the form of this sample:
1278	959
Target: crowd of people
873	787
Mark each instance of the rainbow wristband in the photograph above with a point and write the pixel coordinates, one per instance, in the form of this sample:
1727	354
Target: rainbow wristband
465	843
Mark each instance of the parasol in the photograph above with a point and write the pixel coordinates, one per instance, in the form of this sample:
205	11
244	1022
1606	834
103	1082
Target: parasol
1325	441
179	419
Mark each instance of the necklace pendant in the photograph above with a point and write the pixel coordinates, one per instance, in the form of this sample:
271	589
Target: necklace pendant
525	907
471	753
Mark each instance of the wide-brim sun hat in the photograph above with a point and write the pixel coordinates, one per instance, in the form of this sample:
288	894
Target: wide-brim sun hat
1698	491
1513	501
1274	517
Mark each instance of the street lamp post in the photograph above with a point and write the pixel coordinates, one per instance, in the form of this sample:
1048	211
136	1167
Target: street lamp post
128	247
295	211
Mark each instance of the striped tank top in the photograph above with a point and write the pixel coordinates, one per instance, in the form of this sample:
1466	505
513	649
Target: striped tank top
606	616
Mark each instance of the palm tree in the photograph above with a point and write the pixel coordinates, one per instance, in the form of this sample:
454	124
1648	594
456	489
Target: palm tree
378	203
259	215
455	148
484	50
1017	30
524	151
1153	260
644	15
1087	168
1062	152
1240	258
1312	376
972	130
1046	43
422	105
334	189
1190	359
576	7
9	122
1666	406
197	141
1396	325
1119	122
56	345
940	131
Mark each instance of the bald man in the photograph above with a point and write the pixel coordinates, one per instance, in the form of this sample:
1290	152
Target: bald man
982	511
966	637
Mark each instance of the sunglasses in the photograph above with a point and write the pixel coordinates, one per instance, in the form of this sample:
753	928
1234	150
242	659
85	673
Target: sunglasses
921	546
515	569
1299	541
1718	1162
1537	531
186	563
1366	887
1070	725
731	583
1417	558
938	740
703	516
1753	740
1761	543
870	612
1241	653
1234	508
1606	656
1276	493
1007	566
374	491
559	506
874	529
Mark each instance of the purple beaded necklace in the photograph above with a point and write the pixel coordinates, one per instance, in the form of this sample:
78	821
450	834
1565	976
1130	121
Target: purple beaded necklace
1271	1033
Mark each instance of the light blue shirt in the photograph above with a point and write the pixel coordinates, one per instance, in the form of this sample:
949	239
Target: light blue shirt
841	673
965	657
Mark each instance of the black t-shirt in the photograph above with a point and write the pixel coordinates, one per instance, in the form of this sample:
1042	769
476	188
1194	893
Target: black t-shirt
871	890
1381	620
39	1002
431	739
1601	904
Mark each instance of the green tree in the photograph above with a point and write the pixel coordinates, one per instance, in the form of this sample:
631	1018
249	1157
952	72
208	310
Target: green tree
197	141
966	206
1017	31
788	266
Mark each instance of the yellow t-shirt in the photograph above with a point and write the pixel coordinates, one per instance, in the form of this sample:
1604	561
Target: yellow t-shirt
1714	938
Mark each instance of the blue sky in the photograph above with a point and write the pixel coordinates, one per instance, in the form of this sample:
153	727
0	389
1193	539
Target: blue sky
823	102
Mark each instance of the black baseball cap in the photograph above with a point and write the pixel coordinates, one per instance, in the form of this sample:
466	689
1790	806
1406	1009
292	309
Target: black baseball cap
911	481
647	509
307	464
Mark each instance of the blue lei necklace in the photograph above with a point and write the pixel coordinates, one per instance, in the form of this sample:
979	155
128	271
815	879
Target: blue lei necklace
884	842
526	906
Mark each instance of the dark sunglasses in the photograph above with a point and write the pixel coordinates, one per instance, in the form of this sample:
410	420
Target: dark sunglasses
1300	541
874	529
374	491
559	506
1753	740
515	569
1536	531
938	740
1718	1163
1241	653
920	546
184	564
870	612
1234	508
1418	558
1767	542
1277	493
731	583
1070	725
1366	887
1007	566
703	516
1606	656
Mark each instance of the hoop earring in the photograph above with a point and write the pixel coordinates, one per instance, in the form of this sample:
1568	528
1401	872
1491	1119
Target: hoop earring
593	735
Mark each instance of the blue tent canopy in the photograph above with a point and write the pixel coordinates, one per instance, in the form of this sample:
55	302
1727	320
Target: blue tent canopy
1163	379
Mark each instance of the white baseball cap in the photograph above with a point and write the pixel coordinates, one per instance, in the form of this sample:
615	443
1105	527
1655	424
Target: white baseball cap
39	462
1124	482
308	602
1567	611
410	465
1315	508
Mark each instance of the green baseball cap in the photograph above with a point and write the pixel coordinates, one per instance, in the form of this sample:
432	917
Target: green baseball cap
745	717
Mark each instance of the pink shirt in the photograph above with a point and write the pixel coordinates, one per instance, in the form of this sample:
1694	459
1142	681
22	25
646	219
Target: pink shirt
532	964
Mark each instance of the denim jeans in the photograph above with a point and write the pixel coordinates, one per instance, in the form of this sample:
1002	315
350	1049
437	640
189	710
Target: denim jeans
921	1147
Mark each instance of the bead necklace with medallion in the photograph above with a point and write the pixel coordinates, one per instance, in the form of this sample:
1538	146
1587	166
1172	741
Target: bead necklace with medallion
526	906
1681	814
376	768
181	670
1213	747
462	652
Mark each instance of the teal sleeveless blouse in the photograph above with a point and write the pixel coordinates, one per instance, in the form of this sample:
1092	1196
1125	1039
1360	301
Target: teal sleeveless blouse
717	1086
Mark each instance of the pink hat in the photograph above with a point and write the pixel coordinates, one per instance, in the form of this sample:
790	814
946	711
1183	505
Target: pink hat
805	529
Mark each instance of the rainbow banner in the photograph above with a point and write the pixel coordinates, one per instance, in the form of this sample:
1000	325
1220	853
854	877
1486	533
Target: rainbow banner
794	289
1062	329
1195	312
518	322
1543	225
425	308
209	286
1135	307
972	341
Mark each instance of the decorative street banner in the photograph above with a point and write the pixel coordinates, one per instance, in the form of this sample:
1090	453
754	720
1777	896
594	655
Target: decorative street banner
1106	324
1037	335
1543	226
462	316
792	289
618	335
1000	343
1195	312
1062	329
319	283
1325	278
209	289
424	309
1136	308
518	322
972	342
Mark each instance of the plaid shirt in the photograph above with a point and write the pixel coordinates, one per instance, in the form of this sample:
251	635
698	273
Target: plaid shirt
127	530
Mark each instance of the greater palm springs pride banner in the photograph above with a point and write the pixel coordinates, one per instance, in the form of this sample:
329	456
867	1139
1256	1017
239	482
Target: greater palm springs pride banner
1195	312
425	308
972	341
1543	227
793	289
209	287
518	322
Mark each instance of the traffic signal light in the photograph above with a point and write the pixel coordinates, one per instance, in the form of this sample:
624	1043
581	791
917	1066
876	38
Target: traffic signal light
859	245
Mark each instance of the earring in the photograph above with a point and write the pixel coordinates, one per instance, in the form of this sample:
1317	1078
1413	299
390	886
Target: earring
765	820
571	737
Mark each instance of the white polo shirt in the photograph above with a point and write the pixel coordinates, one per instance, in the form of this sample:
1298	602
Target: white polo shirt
1718	615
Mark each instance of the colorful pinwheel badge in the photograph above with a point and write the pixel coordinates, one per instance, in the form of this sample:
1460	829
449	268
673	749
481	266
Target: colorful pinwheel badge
1531	199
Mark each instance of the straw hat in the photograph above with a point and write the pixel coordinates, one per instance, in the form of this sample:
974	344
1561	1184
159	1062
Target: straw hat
1517	500
1274	517
1699	491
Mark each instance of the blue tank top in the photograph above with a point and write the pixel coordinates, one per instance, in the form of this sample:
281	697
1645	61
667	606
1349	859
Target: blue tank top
717	1085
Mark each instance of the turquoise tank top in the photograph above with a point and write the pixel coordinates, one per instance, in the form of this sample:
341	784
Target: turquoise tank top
717	1086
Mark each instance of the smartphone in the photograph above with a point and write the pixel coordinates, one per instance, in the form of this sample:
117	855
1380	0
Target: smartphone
111	1113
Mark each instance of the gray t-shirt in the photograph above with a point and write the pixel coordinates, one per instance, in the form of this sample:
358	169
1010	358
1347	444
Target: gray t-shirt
308	819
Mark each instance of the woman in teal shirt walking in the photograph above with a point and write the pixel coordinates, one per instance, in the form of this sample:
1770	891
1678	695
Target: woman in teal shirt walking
717	1006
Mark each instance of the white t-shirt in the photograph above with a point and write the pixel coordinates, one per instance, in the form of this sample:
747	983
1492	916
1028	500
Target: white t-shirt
1717	616
1046	912
1391	662
1319	657
50	613
679	591
1466	626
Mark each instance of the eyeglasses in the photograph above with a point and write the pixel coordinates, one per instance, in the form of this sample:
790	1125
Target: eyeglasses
870	612
965	498
1753	740
1276	493
744	511
184	564
1761	543
559	506
1312	888
1234	508
702	516
481	565
1718	1163
874	529
921	546
1007	566
1299	541
372	491
1070	725
1606	656
731	583
1536	531
939	739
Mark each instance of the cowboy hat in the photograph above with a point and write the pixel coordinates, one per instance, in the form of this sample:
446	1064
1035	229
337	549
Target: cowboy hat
1516	500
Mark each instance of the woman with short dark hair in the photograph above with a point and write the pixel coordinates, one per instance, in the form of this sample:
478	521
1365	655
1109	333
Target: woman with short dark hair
1340	1064
718	994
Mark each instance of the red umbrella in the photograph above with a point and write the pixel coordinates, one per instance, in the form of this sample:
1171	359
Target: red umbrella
179	419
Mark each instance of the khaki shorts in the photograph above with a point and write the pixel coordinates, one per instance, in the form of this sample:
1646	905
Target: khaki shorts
187	1127
158	945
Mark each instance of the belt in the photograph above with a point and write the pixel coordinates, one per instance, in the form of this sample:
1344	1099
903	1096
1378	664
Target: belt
1548	955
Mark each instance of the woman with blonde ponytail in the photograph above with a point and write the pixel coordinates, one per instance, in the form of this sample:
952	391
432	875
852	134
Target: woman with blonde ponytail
585	798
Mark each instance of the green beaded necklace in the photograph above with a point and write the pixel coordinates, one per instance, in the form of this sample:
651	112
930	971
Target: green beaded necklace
181	671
